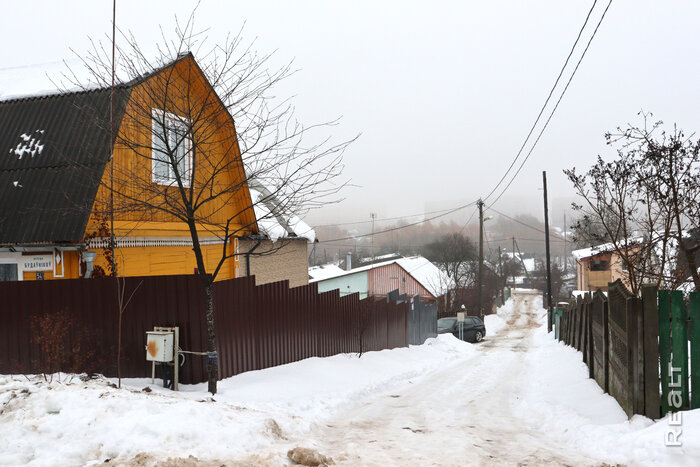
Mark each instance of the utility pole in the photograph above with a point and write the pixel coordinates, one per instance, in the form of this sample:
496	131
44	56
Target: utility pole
500	274
546	239
566	258
481	257
513	260
373	216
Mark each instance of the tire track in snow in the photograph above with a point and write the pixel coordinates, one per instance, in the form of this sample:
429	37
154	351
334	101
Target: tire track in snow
458	415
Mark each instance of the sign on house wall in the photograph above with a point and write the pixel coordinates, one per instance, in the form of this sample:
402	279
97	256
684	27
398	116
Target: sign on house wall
43	262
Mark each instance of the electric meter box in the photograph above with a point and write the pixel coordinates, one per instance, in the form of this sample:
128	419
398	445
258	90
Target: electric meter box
159	346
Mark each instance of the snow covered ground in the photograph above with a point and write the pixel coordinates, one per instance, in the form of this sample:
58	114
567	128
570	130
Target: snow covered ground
519	397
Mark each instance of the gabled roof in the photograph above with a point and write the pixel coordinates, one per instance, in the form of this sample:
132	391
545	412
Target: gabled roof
604	248
271	217
418	267
317	273
53	151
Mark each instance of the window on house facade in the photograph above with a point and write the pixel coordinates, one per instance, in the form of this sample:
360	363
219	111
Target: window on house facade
171	136
600	265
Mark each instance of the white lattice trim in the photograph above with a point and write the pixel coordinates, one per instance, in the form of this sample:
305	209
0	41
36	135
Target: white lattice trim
127	242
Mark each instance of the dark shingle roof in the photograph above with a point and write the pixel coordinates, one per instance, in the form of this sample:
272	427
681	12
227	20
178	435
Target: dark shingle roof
53	152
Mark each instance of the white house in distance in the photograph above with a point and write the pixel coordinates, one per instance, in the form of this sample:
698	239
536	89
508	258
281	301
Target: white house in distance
412	276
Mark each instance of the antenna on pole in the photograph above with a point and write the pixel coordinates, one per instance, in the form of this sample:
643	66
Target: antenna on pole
111	141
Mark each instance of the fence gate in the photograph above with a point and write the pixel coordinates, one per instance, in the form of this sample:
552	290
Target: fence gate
422	321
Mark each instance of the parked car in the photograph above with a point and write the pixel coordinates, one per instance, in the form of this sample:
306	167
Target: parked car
474	329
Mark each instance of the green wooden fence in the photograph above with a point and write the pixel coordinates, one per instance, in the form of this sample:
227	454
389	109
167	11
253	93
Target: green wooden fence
633	346
679	330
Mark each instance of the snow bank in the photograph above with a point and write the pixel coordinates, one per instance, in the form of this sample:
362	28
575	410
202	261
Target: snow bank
78	422
496	322
561	400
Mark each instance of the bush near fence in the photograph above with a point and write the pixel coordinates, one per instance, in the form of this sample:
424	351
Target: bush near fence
257	326
634	346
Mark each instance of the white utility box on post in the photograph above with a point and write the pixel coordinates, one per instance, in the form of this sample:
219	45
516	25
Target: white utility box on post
163	349
160	346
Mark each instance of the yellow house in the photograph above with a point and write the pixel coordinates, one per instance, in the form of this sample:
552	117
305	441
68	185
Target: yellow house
59	184
597	266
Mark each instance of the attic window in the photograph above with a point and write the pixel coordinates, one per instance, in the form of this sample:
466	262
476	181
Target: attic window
599	265
171	137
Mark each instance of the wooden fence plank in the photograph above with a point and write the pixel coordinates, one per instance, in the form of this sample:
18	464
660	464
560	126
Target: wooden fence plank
679	348
694	335
664	345
652	402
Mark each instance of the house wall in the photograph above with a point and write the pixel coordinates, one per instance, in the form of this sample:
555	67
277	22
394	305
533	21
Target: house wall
593	280
165	260
67	268
616	270
347	284
218	167
385	279
272	262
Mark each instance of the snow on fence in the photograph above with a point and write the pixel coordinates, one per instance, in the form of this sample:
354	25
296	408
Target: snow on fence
634	346
71	325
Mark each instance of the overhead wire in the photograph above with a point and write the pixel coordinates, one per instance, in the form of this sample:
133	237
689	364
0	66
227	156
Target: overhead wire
450	211
555	106
544	106
386	218
352	237
523	223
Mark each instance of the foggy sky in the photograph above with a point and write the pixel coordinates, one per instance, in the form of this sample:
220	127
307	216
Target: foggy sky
442	93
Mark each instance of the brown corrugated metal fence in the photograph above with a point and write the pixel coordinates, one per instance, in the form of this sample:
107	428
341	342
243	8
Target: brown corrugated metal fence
257	326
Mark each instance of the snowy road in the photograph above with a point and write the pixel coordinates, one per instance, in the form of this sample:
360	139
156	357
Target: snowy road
518	398
461	414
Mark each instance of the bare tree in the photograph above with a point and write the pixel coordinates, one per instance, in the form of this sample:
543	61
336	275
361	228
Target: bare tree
189	162
610	199
667	169
454	254
645	202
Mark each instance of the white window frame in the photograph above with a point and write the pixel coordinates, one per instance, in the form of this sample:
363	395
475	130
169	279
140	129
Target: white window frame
157	117
13	258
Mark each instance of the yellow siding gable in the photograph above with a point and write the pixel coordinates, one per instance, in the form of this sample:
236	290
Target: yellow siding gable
217	167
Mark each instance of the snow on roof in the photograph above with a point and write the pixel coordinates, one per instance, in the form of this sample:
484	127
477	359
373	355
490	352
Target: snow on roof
604	248
271	222
380	258
317	273
582	293
422	270
529	264
44	79
430	276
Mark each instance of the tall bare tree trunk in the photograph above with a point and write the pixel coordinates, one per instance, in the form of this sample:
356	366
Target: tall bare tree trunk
212	357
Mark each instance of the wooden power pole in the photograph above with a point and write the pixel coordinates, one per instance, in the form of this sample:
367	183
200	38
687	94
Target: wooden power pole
513	260
481	258
546	240
501	276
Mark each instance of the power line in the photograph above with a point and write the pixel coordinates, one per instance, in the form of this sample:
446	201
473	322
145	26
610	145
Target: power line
468	220
387	218
352	237
526	239
519	222
551	92
556	105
